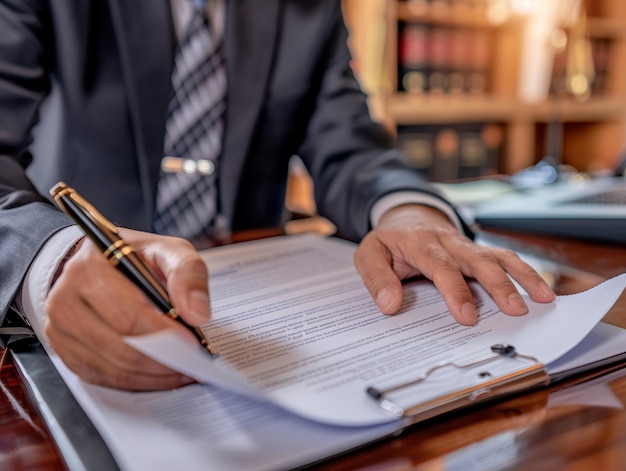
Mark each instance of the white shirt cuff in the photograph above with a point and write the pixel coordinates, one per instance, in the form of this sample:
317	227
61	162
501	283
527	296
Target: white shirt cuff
400	198
38	279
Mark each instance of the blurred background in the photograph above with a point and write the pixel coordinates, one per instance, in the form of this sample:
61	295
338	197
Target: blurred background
475	88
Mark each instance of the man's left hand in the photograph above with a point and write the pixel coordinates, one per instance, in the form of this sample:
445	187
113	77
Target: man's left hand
413	240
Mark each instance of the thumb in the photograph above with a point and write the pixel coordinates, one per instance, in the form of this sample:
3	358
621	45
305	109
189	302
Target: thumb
188	287
185	274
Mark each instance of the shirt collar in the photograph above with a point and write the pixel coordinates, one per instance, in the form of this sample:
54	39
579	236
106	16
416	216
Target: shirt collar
181	11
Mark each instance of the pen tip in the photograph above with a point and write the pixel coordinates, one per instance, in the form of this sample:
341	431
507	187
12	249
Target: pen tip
210	350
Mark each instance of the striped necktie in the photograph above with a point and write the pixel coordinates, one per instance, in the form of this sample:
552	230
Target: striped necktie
186	205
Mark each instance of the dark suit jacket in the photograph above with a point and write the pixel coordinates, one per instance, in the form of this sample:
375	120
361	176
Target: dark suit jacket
108	64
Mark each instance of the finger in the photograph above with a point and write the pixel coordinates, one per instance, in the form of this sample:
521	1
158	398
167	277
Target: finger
481	263
96	352
447	276
494	268
100	339
90	284
525	275
374	263
96	368
186	277
188	284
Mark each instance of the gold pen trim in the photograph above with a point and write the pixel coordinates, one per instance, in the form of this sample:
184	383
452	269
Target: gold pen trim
111	249
214	353
116	251
61	189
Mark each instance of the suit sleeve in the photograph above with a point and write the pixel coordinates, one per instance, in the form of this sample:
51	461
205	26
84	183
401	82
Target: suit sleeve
27	219
351	158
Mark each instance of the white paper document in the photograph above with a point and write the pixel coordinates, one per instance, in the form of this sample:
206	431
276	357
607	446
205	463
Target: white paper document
300	342
293	318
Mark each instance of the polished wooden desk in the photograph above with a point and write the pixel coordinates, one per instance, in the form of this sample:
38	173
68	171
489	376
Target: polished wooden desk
575	426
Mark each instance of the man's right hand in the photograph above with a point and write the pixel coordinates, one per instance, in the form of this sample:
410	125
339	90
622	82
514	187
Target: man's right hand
92	305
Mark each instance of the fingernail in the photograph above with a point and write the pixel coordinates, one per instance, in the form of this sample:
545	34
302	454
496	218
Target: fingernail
517	303
384	300
199	309
468	313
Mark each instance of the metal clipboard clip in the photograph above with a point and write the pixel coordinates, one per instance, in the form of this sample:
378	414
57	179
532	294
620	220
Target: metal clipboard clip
525	378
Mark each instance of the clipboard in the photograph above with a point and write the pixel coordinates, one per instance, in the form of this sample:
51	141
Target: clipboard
532	375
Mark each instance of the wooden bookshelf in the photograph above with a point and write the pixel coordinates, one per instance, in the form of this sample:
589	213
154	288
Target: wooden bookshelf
593	128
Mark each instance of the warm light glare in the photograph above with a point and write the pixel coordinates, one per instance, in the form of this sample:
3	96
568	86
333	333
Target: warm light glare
499	11
526	7
558	40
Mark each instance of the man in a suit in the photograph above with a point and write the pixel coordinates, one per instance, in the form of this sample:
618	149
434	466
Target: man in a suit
102	70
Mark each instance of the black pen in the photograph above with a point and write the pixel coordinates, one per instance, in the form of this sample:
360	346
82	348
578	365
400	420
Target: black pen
119	253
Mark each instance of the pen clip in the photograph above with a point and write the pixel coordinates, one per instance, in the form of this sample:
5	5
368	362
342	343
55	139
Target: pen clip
61	189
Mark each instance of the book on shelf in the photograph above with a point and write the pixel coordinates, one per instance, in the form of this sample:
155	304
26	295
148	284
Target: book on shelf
445	166
478	81
413	70
440	59
453	151
460	61
310	368
418	145
480	147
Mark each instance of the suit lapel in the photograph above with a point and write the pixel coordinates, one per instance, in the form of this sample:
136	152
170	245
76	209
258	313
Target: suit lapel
249	45
146	42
